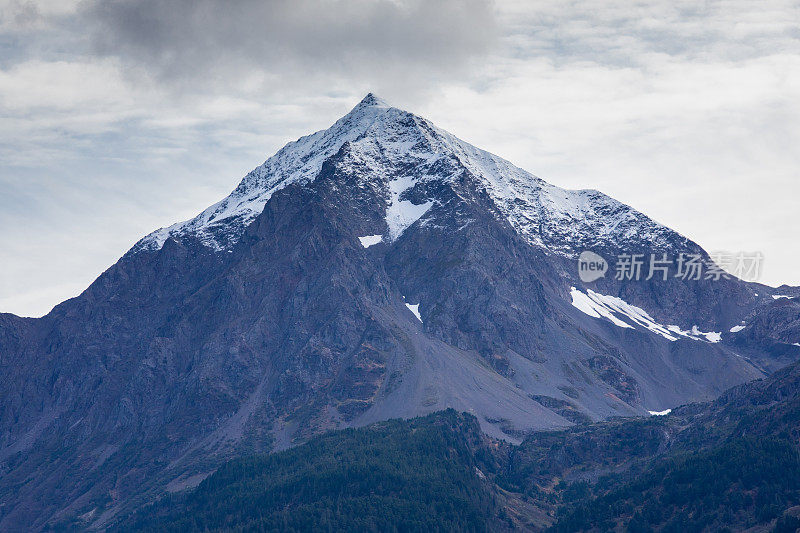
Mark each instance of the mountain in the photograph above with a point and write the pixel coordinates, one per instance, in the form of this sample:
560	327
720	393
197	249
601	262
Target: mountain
729	465
379	269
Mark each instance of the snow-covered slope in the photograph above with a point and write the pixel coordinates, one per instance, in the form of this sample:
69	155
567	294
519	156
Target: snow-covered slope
379	137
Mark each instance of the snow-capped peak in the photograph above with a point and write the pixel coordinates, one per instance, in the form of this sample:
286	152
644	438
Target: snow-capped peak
220	225
382	137
371	101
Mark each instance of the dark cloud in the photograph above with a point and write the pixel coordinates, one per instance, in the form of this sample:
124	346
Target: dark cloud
210	40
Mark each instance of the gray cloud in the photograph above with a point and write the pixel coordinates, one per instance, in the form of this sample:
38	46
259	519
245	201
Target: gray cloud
224	42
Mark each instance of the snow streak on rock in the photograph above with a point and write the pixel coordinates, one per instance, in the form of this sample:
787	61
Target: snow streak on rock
622	314
400	214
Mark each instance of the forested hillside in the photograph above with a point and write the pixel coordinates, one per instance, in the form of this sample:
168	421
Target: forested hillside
419	475
731	464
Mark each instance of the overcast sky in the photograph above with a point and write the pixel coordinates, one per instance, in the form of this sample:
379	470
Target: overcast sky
119	116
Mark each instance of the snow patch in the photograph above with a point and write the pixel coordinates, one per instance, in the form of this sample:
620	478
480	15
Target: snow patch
695	334
660	413
776	296
400	214
622	314
370	240
737	329
593	308
415	309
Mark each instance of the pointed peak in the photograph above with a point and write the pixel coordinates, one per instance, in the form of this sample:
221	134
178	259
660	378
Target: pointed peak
372	100
369	107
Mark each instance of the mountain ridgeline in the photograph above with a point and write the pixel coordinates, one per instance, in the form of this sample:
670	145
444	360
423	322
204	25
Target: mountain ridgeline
379	269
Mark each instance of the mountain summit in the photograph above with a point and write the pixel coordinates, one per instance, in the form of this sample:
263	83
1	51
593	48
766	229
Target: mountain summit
381	268
386	138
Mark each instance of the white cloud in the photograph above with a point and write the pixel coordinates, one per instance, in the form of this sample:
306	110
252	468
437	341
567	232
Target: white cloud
63	86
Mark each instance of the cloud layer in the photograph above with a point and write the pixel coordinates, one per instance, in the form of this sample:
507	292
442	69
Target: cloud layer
119	116
255	43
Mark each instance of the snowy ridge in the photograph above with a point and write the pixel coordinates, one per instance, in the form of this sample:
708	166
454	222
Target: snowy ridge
624	315
375	139
560	220
300	161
